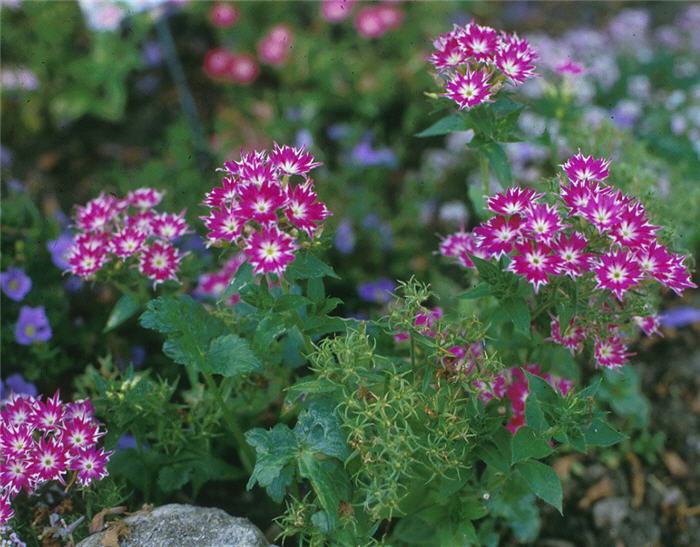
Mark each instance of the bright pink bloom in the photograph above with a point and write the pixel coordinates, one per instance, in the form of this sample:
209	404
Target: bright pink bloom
96	214
145	198
91	464
82	408
260	203
19	411
222	196
424	322
496	236
370	23
580	168
303	210
159	262
479	42
292	161
242	68
127	242
572	338
655	261
577	194
535	262
49	460
611	352
15	440
513	201
85	262
78	434
224	225
678	279
574	261
15	475
569	67
460	245
270	250
543	222
514	58
617	271
335	11
48	416
470	89
141	221
450	55
170	226
603	210
6	511
275	46
633	229
223	15
217	63
649	324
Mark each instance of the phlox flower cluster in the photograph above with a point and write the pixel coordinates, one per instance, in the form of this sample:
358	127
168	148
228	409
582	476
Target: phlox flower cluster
43	441
127	229
475	60
512	384
593	232
258	208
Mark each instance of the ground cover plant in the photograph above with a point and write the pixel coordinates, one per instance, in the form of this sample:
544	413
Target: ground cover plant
353	311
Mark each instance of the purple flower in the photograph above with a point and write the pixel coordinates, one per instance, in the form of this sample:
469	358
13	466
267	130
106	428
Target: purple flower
59	249
378	291
15	283
73	284
363	154
138	356
679	317
345	237
127	441
32	325
151	54
14	383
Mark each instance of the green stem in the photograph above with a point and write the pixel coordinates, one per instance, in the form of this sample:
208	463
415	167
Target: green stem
483	160
244	450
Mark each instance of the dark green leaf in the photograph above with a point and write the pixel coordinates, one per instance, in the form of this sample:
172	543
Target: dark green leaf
290	301
598	433
125	307
308	267
526	445
319	430
543	481
230	355
498	160
275	450
534	415
541	389
316	290
329	480
241	279
518	312
173	477
450	124
480	291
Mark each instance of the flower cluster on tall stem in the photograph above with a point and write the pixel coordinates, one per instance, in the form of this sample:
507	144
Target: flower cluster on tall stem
477	60
42	441
590	232
127	229
265	204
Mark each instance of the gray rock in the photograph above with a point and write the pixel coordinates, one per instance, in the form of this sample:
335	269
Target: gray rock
177	525
610	512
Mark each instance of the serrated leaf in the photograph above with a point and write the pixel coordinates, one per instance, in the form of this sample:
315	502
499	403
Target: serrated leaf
450	124
275	450
543	482
526	444
598	433
187	326
320	430
480	291
329	480
230	355
125	308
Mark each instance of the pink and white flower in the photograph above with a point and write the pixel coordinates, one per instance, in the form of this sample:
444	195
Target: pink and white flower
159	261
515	200
617	271
303	210
536	262
580	168
496	236
292	161
469	89
270	250
611	352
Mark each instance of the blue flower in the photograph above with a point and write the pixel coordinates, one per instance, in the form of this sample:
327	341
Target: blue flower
15	283
345	237
32	325
378	291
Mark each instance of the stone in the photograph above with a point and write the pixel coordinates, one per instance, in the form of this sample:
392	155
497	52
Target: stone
178	525
610	512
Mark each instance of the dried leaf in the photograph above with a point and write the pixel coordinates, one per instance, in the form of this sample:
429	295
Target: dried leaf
675	465
117	529
98	521
602	489
638	484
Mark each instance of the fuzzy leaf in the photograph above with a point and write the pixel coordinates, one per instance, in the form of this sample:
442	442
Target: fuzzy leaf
230	355
275	450
319	430
481	290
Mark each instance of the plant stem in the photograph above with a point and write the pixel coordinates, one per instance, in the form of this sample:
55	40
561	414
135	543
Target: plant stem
483	160
244	450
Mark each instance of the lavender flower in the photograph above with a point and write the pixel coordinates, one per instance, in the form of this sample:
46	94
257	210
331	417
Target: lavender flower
60	249
378	291
151	54
679	317
345	237
32	325
14	383
15	283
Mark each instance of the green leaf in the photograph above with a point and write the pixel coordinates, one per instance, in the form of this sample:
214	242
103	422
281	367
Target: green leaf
576	438
125	307
275	450
498	160
493	457
541	389
534	415
308	267
173	477
526	445
290	301
316	291
268	330
543	481
518	312
590	390
241	279
188	328
480	291
450	124
488	271
320	430
329	480
230	355
598	433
